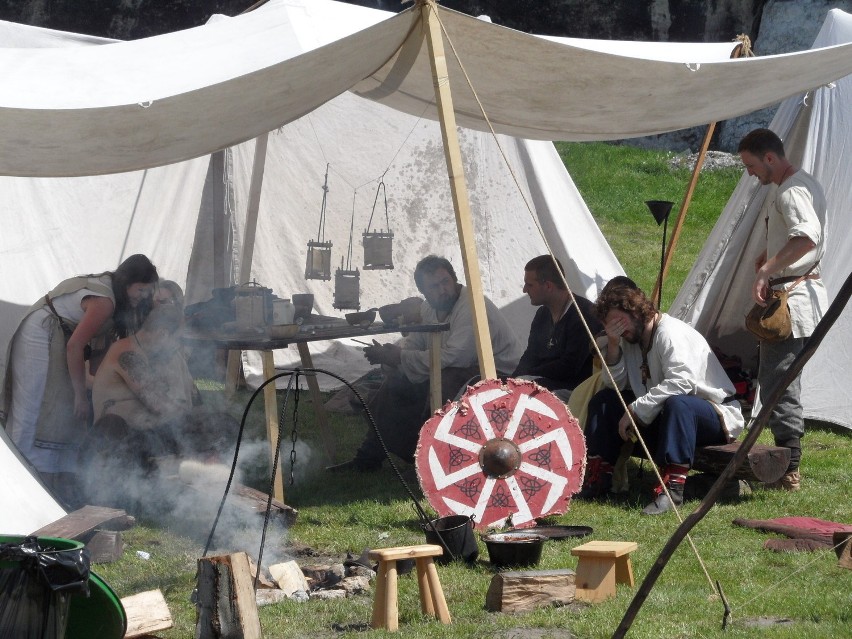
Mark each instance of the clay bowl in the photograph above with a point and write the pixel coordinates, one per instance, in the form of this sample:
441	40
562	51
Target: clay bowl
517	549
390	313
362	319
282	331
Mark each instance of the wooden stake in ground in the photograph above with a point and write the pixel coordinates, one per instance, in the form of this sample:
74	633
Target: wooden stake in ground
760	421
226	606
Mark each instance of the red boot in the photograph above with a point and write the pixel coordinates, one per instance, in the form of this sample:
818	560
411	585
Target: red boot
598	479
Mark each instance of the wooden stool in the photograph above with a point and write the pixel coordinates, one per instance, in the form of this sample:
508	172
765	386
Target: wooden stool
600	566
432	602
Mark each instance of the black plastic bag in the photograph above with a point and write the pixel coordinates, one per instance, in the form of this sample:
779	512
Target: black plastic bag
37	580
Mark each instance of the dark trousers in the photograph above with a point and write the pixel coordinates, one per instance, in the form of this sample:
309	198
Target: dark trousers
400	408
685	423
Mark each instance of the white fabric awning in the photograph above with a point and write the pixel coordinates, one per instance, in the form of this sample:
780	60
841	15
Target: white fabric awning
134	105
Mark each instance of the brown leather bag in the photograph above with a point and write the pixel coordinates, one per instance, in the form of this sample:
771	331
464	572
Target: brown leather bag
771	323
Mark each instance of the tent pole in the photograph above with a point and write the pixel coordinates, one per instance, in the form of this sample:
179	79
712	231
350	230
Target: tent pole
234	359
687	198
458	188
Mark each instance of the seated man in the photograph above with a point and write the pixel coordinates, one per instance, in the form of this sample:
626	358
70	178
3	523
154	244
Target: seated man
559	352
401	404
676	391
145	401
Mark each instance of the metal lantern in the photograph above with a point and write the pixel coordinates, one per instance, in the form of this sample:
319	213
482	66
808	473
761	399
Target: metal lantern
347	289
318	263
378	245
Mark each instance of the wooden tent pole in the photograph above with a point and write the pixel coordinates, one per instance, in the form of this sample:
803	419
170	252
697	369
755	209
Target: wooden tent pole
687	199
458	188
255	188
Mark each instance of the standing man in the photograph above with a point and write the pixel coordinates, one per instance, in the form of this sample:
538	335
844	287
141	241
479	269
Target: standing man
795	213
559	352
401	405
675	389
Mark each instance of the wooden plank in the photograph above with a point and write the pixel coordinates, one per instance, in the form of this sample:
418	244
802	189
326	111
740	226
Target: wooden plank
765	463
270	404
328	440
226	602
521	591
147	612
843	548
80	523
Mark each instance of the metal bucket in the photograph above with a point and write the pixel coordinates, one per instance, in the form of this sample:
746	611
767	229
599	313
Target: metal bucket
456	532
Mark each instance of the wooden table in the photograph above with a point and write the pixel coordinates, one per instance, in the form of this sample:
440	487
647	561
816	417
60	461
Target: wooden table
318	329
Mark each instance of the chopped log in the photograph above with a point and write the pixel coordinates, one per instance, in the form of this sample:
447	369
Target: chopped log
105	546
79	523
147	612
844	549
226	606
520	591
764	463
289	577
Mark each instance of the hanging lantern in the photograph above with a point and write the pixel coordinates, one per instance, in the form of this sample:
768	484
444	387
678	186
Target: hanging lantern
347	289
318	266
378	245
318	263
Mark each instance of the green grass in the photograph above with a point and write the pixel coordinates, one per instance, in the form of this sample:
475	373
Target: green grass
615	182
347	513
341	513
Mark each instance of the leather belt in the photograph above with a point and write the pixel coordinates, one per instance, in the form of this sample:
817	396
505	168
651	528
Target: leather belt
792	278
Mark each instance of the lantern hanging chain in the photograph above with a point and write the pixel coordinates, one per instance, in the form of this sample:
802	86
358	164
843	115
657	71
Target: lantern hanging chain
381	187
351	233
434	8
294	433
321	229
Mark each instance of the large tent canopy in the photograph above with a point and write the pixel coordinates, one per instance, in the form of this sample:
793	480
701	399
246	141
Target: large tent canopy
133	105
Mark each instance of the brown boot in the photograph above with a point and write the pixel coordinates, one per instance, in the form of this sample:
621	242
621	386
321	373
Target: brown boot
790	481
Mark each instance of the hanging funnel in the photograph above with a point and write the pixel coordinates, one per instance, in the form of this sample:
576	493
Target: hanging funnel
660	209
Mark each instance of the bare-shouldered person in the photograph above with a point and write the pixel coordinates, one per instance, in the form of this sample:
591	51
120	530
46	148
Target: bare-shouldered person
134	381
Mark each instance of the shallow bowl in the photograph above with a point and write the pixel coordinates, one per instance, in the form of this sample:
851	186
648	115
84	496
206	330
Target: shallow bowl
362	319
282	331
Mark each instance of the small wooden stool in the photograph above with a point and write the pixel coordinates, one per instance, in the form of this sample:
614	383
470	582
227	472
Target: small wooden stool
600	566
432	602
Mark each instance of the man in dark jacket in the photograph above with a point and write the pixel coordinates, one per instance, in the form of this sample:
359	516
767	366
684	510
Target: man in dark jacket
559	351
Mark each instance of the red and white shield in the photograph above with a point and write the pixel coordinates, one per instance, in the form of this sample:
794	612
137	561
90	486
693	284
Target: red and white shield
502	451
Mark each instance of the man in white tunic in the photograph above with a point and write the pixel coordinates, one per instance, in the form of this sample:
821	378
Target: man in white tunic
675	389
401	405
795	215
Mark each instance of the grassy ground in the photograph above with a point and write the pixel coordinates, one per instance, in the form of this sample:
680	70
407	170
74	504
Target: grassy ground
340	513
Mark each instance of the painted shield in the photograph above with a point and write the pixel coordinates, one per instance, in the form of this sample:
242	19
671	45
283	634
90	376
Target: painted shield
502	453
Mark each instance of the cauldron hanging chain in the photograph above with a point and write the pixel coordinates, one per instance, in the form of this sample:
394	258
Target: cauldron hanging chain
294	433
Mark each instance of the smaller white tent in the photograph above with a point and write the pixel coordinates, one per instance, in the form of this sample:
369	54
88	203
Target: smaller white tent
817	131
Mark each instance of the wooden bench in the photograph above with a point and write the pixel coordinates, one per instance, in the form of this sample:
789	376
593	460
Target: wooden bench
600	566
764	464
432	602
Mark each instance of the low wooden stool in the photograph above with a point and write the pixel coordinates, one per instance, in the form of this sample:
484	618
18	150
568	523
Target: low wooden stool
600	566
432	602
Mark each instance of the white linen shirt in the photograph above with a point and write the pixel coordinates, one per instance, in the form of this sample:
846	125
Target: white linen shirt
680	363
797	208
458	344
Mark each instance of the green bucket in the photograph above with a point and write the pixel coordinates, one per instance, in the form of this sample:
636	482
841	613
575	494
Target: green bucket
75	616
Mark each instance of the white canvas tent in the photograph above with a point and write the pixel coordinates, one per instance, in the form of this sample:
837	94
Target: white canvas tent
139	106
817	131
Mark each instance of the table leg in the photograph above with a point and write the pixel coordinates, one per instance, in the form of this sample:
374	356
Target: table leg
319	408
435	399
270	404
232	374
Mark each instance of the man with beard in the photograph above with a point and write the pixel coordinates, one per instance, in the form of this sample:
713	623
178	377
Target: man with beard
675	389
401	405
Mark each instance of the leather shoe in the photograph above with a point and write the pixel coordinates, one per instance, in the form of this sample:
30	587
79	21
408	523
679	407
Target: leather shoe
662	503
355	465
